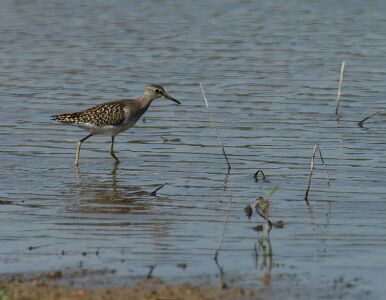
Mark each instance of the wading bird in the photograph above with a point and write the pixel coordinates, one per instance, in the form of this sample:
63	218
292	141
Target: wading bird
111	118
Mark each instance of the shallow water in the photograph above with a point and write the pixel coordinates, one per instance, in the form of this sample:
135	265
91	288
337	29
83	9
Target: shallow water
270	71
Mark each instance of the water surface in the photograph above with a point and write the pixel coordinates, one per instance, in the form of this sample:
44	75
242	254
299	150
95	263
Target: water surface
270	71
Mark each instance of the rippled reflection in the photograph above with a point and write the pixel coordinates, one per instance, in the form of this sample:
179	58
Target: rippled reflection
270	71
109	196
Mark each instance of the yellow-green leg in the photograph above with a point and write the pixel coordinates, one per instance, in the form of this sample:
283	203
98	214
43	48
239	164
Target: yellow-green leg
112	150
78	148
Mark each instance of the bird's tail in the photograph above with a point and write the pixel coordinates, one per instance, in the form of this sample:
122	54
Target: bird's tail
63	118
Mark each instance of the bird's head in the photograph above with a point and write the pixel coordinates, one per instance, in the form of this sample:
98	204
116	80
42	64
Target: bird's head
155	91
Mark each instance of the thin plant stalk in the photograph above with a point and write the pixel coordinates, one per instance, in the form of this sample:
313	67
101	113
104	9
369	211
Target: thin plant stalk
360	123
154	193
256	256
222	236
151	269
223	230
316	149
215	127
340	88
265	218
324	166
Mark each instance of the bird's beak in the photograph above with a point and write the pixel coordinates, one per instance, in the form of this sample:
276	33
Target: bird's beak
171	98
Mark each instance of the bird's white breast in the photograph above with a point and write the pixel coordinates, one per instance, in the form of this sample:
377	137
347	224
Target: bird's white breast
106	129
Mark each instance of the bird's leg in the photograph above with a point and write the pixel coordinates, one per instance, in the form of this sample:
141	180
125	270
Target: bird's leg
78	148
112	150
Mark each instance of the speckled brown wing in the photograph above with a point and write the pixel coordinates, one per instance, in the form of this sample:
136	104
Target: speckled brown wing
106	114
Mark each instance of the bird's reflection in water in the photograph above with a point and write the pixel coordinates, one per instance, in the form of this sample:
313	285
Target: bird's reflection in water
105	194
104	200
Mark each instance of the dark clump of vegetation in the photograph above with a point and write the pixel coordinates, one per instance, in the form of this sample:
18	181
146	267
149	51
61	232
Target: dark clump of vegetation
263	177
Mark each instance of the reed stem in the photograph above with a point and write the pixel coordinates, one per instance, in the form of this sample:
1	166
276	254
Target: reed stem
216	129
340	88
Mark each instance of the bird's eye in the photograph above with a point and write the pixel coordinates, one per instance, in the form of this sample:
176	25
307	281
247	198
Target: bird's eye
157	91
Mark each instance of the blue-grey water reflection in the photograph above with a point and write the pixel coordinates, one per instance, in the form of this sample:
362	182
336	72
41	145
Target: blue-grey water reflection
270	71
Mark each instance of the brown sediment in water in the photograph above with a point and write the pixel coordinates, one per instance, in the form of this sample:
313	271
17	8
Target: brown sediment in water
150	289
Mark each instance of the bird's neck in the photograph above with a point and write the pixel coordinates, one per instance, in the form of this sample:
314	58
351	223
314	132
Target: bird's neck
145	101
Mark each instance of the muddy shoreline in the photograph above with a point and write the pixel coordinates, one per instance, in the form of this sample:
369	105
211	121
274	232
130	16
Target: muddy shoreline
103	284
18	289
